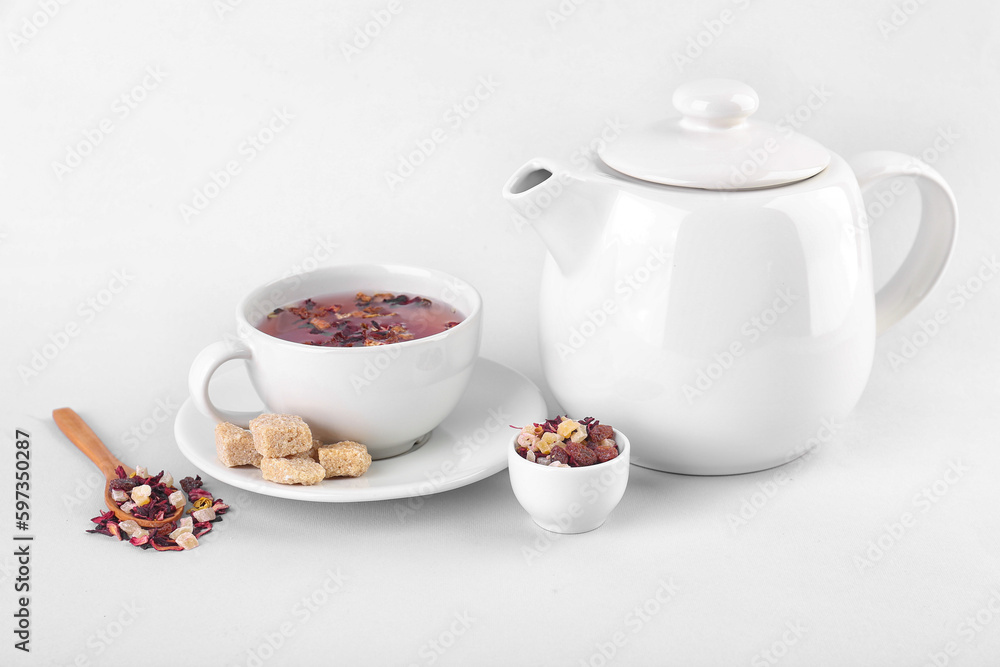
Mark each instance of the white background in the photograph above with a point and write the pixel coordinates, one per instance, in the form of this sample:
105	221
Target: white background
321	183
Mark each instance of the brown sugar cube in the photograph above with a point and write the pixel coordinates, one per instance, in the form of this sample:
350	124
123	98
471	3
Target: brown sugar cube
344	459
293	470
275	436
311	455
234	446
314	452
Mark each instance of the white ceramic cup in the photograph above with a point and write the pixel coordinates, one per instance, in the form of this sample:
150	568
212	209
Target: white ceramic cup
569	500
386	397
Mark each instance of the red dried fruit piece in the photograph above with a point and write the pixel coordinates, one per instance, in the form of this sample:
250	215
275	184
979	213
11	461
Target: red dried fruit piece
123	484
521	451
187	484
580	455
605	453
600	433
560	454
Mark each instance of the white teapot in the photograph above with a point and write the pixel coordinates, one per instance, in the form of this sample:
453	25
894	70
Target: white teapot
708	288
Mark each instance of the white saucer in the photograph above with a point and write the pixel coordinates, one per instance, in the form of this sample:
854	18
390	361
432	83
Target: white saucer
470	445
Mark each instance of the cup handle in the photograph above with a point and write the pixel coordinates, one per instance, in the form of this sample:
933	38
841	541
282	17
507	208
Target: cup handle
202	370
935	239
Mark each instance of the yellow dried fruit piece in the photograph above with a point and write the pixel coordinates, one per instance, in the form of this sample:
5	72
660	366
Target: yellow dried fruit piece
200	504
140	494
547	440
180	530
567	427
176	499
129	527
187	541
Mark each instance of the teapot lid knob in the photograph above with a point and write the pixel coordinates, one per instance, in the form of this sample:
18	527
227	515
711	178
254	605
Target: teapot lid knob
714	144
714	104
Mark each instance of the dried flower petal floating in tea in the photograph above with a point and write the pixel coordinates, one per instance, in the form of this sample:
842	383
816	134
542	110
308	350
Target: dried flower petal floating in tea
355	320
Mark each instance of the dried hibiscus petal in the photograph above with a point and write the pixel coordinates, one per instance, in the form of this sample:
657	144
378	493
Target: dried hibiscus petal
167	546
188	483
201	528
198	494
103	518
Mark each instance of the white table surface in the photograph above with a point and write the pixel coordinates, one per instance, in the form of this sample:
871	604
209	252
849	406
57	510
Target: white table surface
466	578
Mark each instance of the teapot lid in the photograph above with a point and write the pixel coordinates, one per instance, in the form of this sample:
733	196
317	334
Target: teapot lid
714	145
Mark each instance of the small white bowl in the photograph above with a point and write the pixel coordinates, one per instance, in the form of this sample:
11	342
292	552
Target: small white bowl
569	500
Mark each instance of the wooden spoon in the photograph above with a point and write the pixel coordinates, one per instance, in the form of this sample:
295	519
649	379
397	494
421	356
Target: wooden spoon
87	441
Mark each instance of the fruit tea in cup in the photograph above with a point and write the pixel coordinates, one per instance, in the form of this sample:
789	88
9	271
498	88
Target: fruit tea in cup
351	319
385	397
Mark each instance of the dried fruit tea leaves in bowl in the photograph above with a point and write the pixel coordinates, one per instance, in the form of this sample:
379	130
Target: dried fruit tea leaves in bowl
153	497
567	443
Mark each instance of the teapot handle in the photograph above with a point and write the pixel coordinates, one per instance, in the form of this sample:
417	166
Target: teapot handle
932	247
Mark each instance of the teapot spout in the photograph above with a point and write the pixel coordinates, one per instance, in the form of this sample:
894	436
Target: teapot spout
566	208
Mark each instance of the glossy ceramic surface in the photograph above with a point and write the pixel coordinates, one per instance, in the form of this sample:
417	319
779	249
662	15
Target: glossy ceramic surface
386	397
469	445
715	144
569	500
724	331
